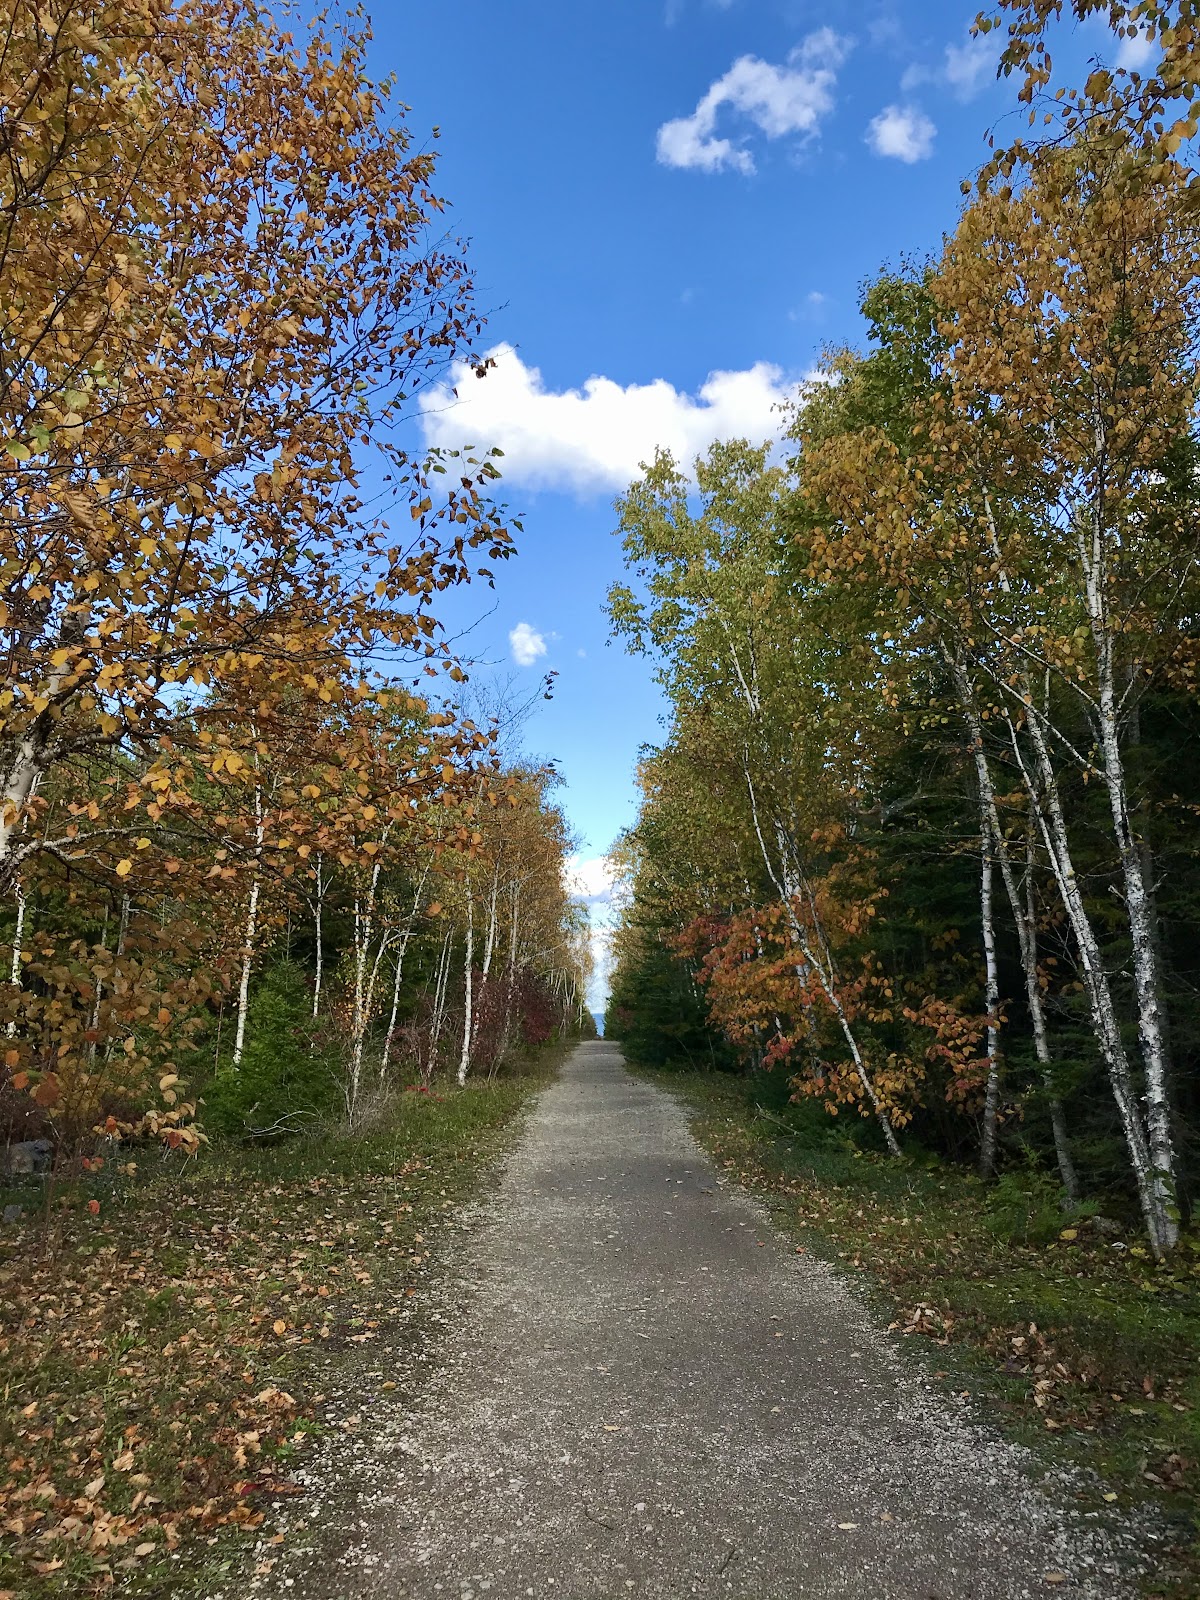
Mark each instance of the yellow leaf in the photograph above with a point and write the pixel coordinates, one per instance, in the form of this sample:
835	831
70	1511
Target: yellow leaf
279	1326
124	868
1069	1233
174	442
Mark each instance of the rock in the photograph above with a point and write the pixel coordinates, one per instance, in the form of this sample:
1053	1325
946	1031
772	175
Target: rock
1106	1227
28	1159
13	1214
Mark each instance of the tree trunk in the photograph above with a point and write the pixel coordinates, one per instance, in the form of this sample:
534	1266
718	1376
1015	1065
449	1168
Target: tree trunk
1148	1140
18	949
318	910
1156	1189
991	1102
1027	928
790	891
239	1040
464	1062
243	1001
1024	914
439	1004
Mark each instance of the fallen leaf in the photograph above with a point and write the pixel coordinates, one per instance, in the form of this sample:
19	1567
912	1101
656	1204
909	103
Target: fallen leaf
94	1488
847	1525
146	1549
1055	1577
279	1325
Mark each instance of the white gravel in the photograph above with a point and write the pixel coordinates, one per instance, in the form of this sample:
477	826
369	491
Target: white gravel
630	1386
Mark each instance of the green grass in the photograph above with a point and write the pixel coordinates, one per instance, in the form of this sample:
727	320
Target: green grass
1082	1349
160	1366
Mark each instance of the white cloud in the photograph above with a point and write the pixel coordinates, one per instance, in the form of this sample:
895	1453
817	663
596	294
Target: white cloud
527	644
778	100
965	69
903	132
1136	53
595	438
969	66
590	878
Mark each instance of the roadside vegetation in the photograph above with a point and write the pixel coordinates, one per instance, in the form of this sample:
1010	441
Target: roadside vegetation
163	1375
1063	1330
285	919
917	862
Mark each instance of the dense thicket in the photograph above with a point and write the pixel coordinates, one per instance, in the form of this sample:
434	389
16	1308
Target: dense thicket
923	832
248	842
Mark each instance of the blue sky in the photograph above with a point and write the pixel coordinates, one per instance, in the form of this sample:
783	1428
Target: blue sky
670	206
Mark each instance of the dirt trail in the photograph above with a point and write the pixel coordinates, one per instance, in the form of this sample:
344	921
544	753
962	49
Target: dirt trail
648	1394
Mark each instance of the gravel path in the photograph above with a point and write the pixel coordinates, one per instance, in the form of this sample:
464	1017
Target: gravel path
647	1393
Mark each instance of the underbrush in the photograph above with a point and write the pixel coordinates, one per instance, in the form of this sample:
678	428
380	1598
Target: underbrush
1062	1325
160	1366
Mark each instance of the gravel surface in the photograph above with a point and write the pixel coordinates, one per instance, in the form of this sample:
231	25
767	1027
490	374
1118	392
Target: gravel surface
640	1390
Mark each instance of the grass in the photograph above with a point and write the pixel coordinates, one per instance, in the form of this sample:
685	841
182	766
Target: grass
161	1367
1072	1340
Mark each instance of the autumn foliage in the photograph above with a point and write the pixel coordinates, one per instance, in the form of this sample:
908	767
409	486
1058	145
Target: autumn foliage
932	680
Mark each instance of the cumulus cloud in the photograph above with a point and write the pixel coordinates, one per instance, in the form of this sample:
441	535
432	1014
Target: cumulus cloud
596	437
527	644
903	132
965	69
1135	53
778	100
590	879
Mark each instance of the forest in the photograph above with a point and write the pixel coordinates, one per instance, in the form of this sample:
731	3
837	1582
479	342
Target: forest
272	870
289	936
921	837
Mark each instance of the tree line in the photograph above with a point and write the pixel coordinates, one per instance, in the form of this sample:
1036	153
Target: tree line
923	830
252	844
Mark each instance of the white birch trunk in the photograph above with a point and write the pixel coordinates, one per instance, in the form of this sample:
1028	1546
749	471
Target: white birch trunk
239	1038
1139	909
789	892
991	1102
464	1061
366	977
318	913
1156	1189
1024	912
243	1002
1153	1164
18	950
439	1004
1058	1123
402	947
